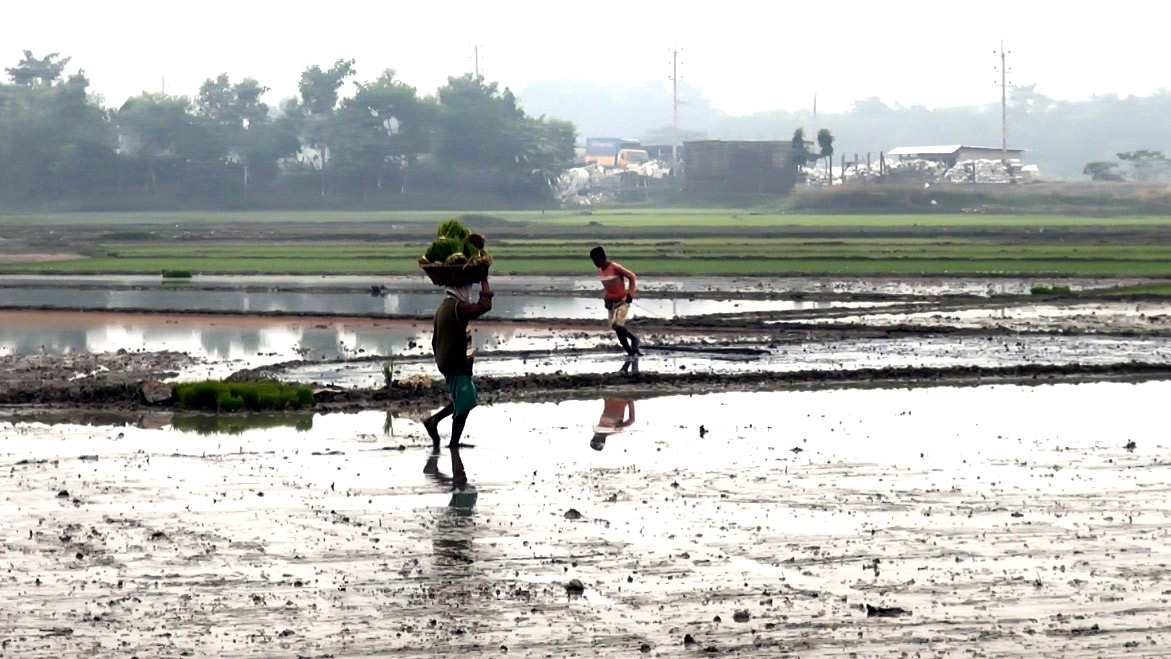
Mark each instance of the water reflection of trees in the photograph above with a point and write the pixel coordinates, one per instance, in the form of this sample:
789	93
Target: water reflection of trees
52	341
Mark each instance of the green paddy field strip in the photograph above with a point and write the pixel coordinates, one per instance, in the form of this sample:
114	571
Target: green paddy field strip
756	257
652	242
733	218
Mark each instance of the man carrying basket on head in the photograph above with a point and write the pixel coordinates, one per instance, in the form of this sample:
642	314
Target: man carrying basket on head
452	344
617	297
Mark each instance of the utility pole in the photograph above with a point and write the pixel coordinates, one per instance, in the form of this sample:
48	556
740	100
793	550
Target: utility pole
476	59
1003	100
674	106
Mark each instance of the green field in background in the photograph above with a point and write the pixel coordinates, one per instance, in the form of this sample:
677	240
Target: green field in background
630	218
761	257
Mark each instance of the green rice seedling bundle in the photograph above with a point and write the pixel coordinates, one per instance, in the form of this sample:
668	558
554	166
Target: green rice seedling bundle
456	257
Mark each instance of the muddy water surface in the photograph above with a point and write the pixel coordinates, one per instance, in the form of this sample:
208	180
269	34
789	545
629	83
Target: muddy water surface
999	521
758	356
514	305
1023	317
698	284
224	344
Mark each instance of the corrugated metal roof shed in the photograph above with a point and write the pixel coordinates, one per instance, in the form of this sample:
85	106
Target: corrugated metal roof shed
925	150
944	150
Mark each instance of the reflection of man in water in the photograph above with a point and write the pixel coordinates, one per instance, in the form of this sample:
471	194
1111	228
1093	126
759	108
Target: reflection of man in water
612	421
617	297
458	478
452	343
454	526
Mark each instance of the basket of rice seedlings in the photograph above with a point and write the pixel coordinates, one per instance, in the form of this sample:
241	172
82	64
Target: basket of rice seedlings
456	257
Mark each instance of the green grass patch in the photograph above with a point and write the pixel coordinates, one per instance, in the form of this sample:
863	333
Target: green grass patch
216	396
1142	290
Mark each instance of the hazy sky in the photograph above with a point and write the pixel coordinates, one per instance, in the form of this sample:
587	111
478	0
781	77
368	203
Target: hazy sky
745	56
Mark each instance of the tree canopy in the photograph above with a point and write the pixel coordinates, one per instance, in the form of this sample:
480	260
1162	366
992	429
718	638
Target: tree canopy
341	140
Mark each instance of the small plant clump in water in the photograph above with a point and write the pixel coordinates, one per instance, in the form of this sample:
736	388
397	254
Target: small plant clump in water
176	274
215	396
388	372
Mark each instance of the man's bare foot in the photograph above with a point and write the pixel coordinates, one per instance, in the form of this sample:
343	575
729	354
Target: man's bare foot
432	427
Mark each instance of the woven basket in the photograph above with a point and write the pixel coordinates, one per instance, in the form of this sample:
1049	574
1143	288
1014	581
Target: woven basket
456	275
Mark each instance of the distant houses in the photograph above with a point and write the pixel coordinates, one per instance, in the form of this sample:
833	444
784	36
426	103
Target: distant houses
719	167
951	154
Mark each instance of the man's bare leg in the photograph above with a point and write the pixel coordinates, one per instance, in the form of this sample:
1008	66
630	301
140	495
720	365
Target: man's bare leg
459	477
432	424
627	339
457	427
621	334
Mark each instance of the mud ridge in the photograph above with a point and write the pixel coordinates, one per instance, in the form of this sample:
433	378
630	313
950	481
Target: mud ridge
554	387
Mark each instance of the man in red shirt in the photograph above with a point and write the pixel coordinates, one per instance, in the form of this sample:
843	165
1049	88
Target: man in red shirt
617	296
612	421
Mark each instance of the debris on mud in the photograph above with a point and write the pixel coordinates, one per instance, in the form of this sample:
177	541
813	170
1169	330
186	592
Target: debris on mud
885	611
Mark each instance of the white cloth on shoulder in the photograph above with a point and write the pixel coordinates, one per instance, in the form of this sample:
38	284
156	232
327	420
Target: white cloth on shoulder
461	293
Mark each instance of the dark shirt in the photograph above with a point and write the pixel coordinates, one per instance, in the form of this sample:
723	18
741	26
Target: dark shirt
452	340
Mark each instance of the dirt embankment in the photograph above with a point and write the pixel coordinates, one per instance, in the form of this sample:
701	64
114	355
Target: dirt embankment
114	381
84	379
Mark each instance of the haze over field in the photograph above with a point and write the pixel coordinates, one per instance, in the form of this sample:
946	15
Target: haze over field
883	76
748	58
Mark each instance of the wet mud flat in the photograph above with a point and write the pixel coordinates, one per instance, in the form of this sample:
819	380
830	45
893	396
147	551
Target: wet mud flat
994	521
83	378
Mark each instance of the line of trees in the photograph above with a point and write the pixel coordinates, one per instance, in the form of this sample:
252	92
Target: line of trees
383	144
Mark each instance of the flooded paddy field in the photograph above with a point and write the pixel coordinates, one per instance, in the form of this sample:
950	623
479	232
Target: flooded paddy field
519	298
1020	316
998	521
754	357
737	490
733	326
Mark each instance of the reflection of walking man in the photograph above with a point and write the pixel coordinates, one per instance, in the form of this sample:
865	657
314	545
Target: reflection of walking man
617	296
452	343
613	412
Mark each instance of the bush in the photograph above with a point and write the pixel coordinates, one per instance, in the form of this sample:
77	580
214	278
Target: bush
217	396
176	274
